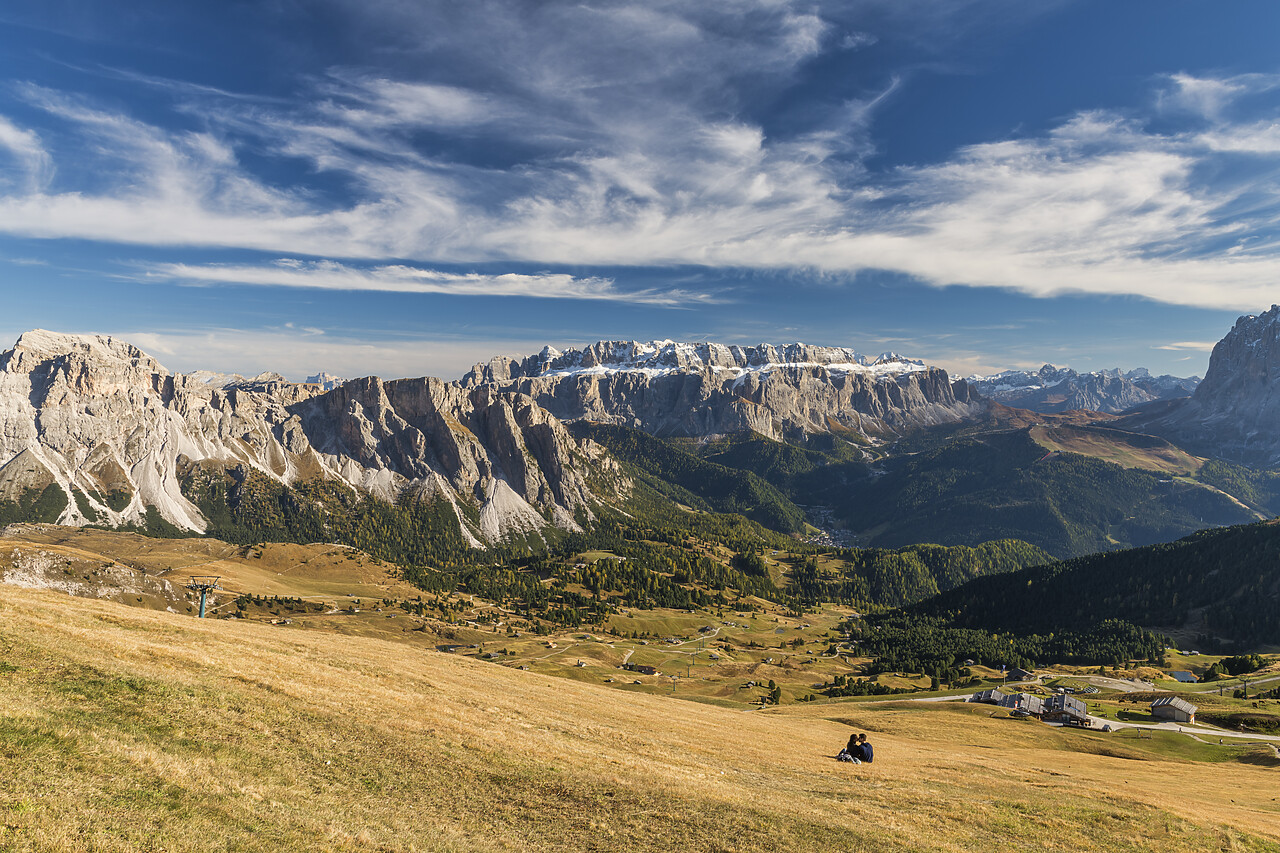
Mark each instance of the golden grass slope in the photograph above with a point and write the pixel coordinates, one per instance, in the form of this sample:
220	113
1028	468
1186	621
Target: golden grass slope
315	571
130	729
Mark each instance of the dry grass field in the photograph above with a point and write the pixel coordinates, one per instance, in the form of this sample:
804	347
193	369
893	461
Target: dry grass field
270	569
131	729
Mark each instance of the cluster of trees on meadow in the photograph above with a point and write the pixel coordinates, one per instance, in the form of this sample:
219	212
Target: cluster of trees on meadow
849	685
1232	666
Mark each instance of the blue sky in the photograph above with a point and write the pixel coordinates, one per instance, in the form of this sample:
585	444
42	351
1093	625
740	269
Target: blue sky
404	188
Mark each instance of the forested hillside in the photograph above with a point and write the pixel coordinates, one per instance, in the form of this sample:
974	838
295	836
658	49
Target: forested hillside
685	477
936	487
1258	488
909	642
820	472
879	577
1222	583
1005	485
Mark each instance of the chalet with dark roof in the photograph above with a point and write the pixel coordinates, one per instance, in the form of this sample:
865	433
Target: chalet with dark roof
642	668
1067	710
1023	703
1174	708
990	696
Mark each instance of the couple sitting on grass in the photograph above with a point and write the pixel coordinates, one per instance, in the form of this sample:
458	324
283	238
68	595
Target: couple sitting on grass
858	751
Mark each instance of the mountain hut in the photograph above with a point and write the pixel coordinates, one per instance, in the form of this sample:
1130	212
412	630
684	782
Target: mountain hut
1174	708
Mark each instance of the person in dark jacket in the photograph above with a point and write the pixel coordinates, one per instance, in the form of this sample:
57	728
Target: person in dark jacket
864	751
851	752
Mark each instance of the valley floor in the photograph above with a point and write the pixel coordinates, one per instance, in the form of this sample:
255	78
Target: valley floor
128	729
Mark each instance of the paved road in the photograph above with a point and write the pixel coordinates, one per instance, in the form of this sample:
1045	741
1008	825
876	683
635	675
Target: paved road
1124	685
1232	684
692	639
559	651
1182	728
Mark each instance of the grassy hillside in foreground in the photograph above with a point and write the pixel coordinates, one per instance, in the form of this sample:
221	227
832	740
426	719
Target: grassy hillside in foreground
126	729
1223	583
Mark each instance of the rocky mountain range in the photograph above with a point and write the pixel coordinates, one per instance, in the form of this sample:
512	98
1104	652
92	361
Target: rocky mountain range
1235	412
668	388
113	432
102	433
1053	390
106	434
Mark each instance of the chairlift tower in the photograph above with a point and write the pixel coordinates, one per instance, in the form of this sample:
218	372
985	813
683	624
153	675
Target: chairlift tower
202	584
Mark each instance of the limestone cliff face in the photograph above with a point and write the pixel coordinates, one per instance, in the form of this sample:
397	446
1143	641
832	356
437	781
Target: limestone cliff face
1235	411
669	388
110	426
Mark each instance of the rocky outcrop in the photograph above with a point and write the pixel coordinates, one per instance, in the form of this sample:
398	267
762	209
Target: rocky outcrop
681	389
1052	390
1235	411
113	429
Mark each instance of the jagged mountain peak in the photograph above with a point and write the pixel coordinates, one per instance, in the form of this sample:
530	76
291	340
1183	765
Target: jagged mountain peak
40	346
1234	411
668	387
327	381
1244	356
1268	317
99	422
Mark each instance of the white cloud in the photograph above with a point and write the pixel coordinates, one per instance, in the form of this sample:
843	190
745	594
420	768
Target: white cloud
1198	346
1257	138
25	147
857	41
619	135
1205	96
399	278
390	103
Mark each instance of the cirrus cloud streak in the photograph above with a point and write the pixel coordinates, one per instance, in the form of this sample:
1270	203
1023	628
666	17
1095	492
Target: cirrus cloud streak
400	278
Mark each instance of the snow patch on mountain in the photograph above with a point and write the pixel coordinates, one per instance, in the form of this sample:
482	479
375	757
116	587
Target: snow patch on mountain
668	387
663	358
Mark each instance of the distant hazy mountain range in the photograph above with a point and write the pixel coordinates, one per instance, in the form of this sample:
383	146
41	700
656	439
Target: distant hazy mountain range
1061	389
